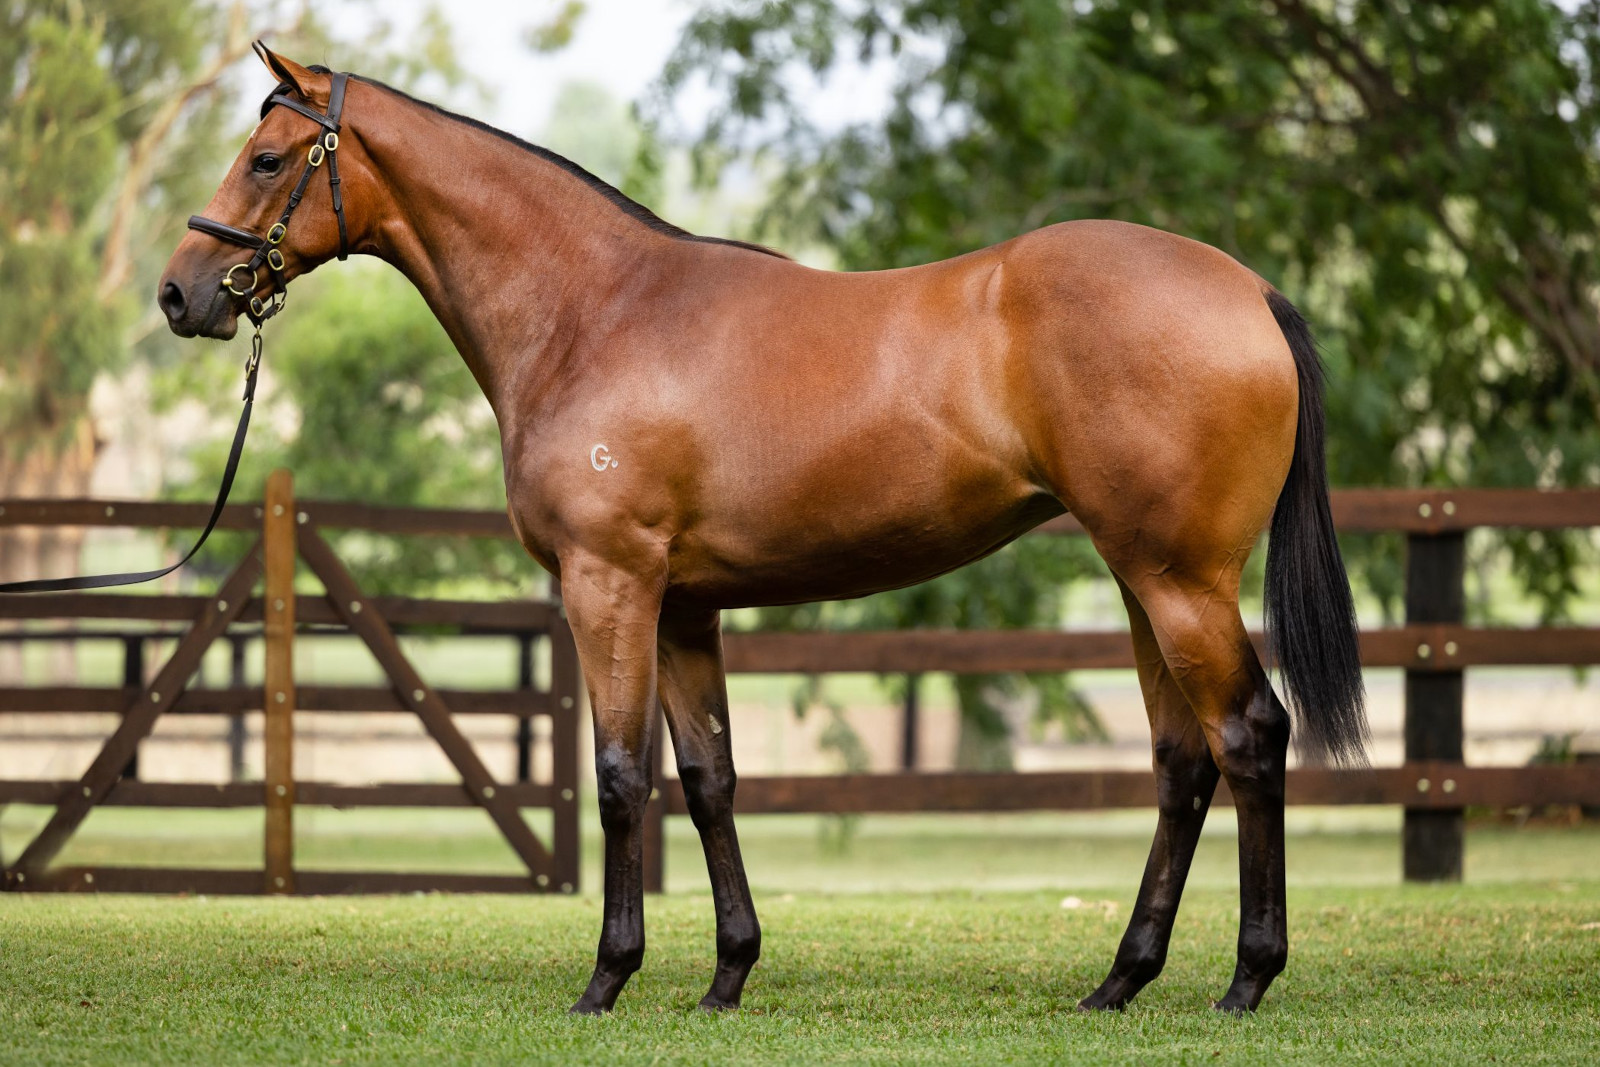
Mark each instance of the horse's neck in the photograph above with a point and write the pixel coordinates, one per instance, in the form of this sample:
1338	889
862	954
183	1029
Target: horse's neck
511	251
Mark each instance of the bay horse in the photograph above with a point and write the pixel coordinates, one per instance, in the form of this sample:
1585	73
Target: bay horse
691	424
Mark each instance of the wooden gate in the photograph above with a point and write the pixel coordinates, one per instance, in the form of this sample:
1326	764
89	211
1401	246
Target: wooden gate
290	536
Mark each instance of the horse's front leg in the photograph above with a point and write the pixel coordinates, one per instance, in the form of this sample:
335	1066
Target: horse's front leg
613	611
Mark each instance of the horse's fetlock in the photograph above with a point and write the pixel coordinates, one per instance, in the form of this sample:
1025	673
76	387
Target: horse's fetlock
739	945
1140	959
621	957
1264	954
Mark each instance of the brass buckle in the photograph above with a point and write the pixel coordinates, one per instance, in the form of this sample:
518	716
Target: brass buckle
314	157
331	141
227	280
275	259
277	233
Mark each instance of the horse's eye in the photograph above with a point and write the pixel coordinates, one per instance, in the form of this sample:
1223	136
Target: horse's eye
266	163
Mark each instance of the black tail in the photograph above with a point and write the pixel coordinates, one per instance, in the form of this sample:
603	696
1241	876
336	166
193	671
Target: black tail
1311	619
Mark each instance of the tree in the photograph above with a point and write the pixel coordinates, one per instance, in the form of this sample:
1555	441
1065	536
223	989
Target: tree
1421	177
95	100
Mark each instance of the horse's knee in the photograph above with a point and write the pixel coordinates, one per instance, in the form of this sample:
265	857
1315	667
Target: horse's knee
622	780
1251	747
707	789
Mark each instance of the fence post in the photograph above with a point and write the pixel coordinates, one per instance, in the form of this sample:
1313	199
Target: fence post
278	551
236	731
525	723
565	679
133	680
909	723
1434	839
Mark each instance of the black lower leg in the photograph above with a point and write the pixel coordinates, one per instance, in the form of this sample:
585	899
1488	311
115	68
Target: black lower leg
623	780
1186	778
708	788
694	692
1253	753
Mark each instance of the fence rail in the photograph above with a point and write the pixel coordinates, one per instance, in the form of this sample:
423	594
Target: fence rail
290	538
1434	648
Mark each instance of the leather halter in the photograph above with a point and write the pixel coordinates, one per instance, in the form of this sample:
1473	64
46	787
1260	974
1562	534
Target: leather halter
266	251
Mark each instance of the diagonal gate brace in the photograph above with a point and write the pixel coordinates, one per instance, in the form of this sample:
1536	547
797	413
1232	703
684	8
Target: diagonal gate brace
358	612
137	722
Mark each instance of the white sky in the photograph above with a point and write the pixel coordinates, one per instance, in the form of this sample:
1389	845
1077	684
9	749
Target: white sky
619	44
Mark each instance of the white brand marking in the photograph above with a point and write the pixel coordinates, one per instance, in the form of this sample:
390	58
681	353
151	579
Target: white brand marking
600	458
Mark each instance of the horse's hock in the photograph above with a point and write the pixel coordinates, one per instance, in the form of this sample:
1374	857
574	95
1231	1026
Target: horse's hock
258	603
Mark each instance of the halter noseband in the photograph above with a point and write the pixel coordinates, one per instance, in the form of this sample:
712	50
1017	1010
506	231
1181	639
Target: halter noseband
267	253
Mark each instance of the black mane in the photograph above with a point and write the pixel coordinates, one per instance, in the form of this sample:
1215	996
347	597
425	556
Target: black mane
617	197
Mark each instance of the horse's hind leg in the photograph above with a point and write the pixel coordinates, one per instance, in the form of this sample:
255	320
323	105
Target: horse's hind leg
694	694
1186	777
1196	622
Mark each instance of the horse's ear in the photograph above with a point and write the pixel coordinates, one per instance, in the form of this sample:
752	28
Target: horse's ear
287	70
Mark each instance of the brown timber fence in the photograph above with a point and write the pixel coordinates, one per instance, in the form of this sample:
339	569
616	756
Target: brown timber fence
1433	648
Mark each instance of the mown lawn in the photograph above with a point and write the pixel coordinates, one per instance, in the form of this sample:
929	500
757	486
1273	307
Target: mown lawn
863	963
1405	975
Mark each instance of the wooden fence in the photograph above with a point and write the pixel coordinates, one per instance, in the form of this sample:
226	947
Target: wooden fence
1434	648
291	533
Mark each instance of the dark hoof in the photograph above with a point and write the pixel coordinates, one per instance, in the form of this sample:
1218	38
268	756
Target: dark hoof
711	1005
588	1007
1106	998
1232	1005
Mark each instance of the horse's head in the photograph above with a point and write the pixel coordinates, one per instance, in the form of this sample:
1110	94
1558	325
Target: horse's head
237	257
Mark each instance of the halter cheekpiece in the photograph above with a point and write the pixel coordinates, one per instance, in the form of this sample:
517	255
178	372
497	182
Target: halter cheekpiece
242	279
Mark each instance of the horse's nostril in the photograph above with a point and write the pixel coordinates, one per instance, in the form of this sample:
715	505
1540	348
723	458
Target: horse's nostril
172	301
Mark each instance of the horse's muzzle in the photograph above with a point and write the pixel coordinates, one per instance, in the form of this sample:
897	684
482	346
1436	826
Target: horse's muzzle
217	318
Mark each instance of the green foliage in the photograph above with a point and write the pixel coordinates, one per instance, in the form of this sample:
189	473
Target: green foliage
70	85
366	400
594	129
555	33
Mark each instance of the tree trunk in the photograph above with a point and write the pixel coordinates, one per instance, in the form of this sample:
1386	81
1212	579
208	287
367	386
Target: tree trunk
983	735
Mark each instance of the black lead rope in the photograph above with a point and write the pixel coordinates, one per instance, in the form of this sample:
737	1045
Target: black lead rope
268	254
101	581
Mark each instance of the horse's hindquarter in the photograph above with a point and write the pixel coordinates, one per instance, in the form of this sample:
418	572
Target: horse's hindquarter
1164	397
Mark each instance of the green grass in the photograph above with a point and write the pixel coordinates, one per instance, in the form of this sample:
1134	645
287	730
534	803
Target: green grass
1446	975
857	968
